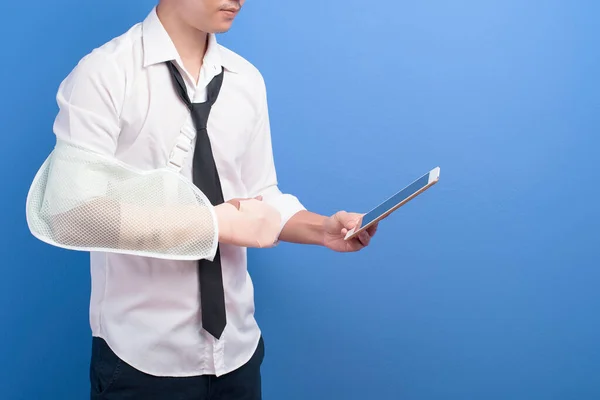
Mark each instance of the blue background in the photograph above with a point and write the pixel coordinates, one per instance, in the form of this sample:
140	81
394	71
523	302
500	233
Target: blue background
485	287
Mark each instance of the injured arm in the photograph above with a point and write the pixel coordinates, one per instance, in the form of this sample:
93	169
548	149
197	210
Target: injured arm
83	200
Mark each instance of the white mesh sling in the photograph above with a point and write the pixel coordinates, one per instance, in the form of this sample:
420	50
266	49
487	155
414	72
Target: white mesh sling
83	200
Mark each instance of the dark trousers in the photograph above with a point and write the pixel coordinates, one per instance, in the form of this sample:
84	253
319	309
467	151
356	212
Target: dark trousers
113	379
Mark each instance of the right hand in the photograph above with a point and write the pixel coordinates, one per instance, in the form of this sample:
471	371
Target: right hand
248	223
236	202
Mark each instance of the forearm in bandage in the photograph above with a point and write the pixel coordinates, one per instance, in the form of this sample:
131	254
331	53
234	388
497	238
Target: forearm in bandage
83	200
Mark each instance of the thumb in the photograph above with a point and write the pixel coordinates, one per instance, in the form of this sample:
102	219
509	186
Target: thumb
346	220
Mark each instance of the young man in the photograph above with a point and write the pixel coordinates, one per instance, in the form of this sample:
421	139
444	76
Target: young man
165	325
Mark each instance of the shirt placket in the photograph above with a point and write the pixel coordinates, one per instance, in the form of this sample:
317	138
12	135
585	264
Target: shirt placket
219	355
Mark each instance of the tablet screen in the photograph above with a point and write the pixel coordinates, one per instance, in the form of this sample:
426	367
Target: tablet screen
396	199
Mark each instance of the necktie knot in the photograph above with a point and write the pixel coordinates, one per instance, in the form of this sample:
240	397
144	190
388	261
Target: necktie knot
200	111
212	90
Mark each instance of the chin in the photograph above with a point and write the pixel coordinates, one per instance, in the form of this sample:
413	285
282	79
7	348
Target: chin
222	28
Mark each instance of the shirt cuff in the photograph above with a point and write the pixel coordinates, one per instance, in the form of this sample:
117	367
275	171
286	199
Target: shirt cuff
287	204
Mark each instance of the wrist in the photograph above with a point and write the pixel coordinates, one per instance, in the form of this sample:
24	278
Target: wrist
315	230
225	213
305	227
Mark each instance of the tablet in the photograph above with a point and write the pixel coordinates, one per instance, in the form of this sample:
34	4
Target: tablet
396	201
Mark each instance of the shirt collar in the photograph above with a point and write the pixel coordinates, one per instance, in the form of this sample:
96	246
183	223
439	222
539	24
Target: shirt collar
158	46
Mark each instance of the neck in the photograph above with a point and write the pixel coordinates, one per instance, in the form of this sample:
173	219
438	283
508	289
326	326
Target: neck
190	42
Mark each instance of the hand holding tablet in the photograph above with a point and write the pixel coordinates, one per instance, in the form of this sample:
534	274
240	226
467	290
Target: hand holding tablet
396	201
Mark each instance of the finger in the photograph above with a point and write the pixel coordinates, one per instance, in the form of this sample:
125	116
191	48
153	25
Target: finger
259	198
364	238
356	245
372	229
341	217
235	203
347	220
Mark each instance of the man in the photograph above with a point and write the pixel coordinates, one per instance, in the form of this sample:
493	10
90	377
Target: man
165	325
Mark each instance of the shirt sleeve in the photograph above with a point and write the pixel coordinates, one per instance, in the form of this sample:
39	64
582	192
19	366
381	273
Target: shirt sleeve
90	99
83	198
258	167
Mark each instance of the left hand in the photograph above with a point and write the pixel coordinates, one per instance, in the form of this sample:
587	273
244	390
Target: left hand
337	226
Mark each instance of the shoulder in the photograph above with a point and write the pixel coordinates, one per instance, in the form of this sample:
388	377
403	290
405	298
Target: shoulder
107	66
241	66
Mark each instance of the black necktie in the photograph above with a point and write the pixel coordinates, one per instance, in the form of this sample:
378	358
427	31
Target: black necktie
206	177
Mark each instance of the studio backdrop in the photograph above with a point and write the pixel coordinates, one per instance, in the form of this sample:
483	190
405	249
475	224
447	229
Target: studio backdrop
484	287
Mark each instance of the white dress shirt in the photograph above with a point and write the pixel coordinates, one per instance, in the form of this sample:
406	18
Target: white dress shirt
120	100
